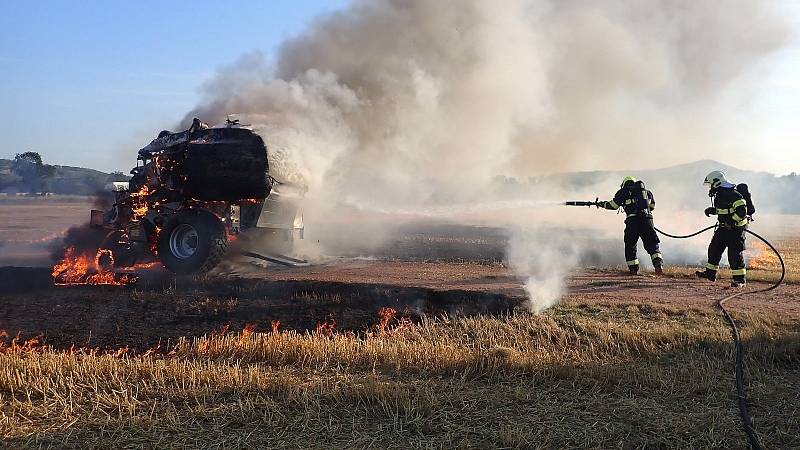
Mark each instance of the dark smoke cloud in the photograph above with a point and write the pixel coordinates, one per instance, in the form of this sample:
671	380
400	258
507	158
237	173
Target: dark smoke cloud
83	238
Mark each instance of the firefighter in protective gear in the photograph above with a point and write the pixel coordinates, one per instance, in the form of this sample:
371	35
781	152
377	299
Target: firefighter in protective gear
733	206
638	204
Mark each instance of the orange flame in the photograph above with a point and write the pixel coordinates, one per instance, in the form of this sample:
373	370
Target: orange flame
764	259
385	327
34	345
248	330
15	347
152	350
326	328
385	314
139	203
77	269
153	240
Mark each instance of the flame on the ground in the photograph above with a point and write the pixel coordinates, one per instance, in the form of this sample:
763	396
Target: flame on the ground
388	325
152	350
764	258
326	328
248	330
17	345
388	322
84	268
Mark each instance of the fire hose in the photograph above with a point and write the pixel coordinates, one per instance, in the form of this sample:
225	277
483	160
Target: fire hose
741	393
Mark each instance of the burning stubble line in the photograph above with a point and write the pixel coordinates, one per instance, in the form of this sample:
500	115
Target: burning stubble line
401	106
284	376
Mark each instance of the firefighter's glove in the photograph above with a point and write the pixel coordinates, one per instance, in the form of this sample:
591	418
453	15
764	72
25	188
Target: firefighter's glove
710	211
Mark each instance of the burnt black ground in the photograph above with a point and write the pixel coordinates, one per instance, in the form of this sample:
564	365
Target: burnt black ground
162	307
167	308
421	271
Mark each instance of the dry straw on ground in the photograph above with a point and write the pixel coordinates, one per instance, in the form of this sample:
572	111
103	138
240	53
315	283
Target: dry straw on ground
580	375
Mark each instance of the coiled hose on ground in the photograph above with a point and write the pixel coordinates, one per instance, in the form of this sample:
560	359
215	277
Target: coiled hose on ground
741	393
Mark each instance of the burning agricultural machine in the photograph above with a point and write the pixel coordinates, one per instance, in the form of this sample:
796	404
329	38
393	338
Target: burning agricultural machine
191	193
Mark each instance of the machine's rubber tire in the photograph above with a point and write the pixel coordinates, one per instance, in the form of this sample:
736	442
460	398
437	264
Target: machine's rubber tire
124	255
192	242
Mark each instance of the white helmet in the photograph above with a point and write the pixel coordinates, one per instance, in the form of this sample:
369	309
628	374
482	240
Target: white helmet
715	179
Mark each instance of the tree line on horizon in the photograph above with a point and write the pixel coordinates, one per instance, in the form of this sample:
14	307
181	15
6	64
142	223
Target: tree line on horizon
27	173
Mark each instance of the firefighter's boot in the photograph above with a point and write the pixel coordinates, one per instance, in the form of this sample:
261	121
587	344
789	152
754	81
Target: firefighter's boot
708	274
738	282
658	264
633	269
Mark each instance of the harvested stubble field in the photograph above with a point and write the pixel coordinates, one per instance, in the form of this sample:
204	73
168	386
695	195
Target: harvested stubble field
418	351
581	375
618	364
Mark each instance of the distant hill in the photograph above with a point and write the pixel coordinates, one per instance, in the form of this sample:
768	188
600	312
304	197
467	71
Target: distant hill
65	180
676	187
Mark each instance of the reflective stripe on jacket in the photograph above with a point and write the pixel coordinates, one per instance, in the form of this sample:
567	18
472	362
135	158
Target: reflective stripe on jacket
731	207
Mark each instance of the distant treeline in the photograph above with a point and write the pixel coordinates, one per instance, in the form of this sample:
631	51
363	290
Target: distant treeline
28	173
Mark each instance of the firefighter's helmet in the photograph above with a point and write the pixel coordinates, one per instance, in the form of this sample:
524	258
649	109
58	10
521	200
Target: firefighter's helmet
715	179
626	179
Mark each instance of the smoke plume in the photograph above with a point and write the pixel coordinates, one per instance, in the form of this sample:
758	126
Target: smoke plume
410	104
542	257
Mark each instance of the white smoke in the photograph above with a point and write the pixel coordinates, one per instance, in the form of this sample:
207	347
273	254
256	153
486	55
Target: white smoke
405	104
542	257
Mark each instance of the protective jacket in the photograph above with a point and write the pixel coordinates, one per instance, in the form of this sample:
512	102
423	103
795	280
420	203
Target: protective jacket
638	204
731	206
635	200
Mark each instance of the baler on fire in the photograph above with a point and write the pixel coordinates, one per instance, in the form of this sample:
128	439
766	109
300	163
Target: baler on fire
191	192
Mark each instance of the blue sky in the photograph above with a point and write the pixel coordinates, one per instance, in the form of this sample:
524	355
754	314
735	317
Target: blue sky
88	83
